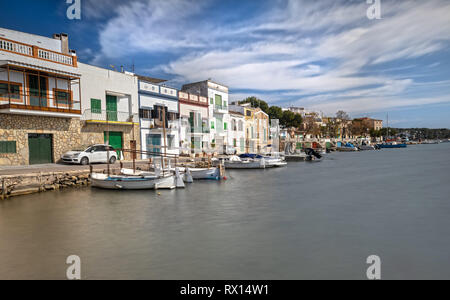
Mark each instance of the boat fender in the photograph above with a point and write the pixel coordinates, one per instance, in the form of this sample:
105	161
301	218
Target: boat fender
179	183
188	176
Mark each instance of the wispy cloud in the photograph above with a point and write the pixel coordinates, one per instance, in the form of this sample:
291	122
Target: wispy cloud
325	54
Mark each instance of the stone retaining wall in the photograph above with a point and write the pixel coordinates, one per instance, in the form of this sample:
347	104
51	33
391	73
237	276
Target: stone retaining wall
15	185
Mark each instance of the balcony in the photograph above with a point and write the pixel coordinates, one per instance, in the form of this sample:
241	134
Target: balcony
220	109
95	116
37	52
28	91
58	104
187	98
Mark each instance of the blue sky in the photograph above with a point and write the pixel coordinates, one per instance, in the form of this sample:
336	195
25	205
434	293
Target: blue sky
322	55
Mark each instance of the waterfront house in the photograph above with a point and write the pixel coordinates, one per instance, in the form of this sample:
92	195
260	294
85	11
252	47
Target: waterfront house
40	105
109	108
155	99
217	95
256	127
194	122
236	136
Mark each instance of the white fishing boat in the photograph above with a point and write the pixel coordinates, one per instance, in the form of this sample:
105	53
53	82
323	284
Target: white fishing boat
137	180
120	182
204	173
235	162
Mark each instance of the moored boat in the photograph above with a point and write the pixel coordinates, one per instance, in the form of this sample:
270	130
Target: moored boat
391	145
125	182
235	162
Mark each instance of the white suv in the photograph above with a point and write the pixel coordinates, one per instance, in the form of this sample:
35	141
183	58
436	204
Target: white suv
93	154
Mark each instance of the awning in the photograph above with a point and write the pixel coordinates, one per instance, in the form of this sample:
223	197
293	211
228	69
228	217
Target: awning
63	71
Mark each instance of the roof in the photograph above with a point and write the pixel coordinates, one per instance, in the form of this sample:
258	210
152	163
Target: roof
151	79
236	113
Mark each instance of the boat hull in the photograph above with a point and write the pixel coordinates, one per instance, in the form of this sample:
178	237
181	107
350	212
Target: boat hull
205	174
383	146
244	165
131	182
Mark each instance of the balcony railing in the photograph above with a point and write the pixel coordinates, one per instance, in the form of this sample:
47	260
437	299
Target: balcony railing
37	52
32	101
220	108
107	116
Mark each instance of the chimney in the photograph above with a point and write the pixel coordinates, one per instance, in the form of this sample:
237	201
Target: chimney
64	38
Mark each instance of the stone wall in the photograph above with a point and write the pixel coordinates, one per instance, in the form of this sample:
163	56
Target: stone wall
65	131
94	134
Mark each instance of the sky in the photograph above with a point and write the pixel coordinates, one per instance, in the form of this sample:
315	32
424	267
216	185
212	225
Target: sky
324	55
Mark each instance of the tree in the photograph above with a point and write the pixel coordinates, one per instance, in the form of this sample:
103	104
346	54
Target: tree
311	126
256	103
290	119
275	112
342	115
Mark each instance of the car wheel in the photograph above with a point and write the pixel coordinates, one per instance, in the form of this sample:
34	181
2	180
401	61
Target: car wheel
112	160
84	161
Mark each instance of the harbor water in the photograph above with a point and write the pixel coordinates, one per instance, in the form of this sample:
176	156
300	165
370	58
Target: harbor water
317	220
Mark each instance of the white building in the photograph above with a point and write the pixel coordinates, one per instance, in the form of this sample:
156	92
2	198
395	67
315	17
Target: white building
154	99
194	131
109	108
219	117
236	132
39	98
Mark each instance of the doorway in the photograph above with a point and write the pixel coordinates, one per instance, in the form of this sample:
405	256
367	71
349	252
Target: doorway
40	148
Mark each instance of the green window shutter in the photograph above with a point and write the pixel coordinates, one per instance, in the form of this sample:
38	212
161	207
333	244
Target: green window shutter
218	100
225	125
211	101
212	124
8	147
96	106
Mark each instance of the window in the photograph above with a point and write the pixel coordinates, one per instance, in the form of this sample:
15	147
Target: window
212	124
225	125
170	141
241	125
249	113
7	146
96	106
211	101
62	97
145	113
218	100
14	88
234	143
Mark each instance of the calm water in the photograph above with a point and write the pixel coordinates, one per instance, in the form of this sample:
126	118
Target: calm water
306	221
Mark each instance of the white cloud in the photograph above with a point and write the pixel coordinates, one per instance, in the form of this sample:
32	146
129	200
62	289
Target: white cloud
296	47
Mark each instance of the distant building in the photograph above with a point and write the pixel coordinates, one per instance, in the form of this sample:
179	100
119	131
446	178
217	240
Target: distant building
194	119
219	117
158	113
371	123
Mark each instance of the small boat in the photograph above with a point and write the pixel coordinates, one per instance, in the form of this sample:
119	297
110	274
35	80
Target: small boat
391	145
312	155
201	173
137	180
276	161
430	142
348	147
235	162
365	147
122	182
195	173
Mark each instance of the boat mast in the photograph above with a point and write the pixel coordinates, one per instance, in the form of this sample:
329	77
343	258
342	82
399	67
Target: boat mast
164	138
